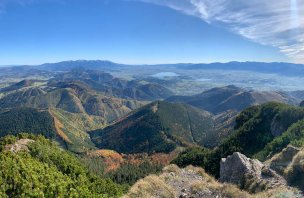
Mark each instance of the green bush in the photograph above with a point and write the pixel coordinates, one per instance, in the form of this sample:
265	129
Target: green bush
130	173
47	171
196	156
294	135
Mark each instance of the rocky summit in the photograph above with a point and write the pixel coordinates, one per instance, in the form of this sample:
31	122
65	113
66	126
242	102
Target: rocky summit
249	174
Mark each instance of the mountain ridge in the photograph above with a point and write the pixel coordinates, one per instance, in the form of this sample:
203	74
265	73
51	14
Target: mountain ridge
284	68
221	99
157	127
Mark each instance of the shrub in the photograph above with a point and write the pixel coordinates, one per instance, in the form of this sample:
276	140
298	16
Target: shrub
47	171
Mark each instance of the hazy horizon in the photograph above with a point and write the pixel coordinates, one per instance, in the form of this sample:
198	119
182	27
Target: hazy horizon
141	64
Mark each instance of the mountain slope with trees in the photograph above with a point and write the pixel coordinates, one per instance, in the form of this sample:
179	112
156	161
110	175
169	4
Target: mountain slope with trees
221	99
157	127
108	85
20	120
75	98
260	131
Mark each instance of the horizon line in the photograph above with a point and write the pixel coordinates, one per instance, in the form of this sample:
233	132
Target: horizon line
147	64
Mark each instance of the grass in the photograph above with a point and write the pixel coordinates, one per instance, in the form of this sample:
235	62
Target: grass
294	173
161	186
151	186
282	160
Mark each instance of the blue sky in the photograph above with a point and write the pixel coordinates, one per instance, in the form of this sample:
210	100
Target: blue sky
144	31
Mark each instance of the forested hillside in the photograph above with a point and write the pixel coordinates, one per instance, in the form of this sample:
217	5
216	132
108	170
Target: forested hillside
20	120
260	131
158	127
73	97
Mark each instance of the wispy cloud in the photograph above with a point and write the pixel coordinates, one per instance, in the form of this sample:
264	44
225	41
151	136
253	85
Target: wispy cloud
277	23
5	3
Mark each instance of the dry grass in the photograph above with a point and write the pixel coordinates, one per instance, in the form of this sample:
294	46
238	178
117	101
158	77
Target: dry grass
161	186
201	172
211	184
294	173
282	160
231	191
151	186
171	168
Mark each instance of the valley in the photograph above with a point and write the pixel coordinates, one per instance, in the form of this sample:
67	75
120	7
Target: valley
122	123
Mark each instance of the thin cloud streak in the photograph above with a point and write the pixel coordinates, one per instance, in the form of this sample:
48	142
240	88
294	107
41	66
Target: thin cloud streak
279	24
5	3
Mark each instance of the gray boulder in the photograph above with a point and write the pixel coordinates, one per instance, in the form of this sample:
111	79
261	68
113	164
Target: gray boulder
282	160
235	167
249	174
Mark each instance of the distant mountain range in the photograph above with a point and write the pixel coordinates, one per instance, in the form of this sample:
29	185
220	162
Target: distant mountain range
111	86
289	69
275	67
90	65
221	99
279	68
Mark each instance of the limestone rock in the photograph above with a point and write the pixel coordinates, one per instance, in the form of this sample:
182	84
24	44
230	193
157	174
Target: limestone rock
282	160
234	168
20	145
249	174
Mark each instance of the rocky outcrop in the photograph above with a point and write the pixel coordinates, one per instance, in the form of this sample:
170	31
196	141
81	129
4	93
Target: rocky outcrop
282	160
235	167
193	182
249	174
190	182
20	145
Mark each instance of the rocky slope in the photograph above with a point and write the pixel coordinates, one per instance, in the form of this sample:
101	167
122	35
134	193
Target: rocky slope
281	176
290	164
192	182
249	174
